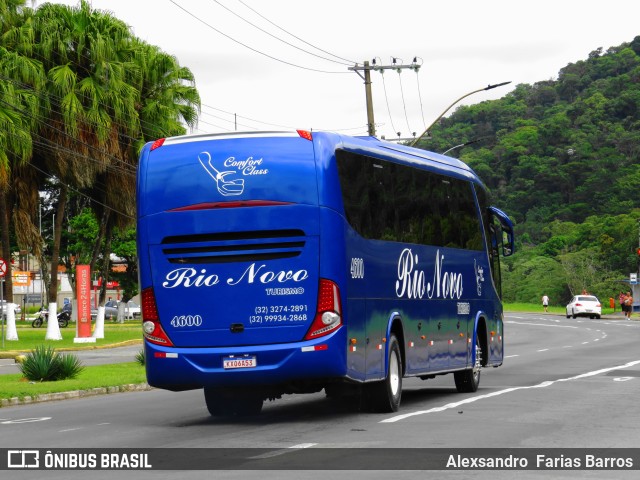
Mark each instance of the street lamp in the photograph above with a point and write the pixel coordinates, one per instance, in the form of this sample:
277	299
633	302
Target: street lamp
488	87
461	145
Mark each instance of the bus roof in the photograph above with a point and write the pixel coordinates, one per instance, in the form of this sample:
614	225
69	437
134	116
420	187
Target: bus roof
365	145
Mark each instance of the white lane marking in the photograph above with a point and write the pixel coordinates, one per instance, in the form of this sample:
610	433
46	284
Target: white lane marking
26	420
622	379
543	350
547	383
511	356
284	451
541	324
69	430
584	343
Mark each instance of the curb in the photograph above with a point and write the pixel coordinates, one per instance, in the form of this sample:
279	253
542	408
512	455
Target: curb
49	397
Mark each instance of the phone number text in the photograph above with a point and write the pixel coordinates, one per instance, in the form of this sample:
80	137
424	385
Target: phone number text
291	317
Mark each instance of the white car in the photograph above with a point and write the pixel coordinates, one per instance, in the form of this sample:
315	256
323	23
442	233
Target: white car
16	308
131	309
584	306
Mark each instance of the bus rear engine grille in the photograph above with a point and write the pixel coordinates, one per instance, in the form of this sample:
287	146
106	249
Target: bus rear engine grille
233	246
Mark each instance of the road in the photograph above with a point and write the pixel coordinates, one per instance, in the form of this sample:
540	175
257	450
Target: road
565	383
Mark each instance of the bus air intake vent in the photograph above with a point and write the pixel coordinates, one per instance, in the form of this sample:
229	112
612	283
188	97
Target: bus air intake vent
233	246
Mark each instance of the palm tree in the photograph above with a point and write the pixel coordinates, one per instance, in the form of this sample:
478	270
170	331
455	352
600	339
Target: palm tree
86	56
168	100
105	94
20	80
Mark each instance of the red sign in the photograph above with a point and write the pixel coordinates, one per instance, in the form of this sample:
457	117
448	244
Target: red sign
83	293
3	268
110	285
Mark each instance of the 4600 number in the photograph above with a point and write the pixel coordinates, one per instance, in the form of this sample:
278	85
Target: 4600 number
357	268
186	321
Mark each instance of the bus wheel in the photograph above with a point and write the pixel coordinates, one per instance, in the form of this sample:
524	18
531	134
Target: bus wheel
217	402
385	395
467	381
225	403
247	404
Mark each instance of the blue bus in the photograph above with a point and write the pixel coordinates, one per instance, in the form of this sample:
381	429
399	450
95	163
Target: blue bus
275	263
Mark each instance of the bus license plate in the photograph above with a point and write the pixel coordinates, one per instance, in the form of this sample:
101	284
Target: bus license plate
239	362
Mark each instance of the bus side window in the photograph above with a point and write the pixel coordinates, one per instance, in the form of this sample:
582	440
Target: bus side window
504	230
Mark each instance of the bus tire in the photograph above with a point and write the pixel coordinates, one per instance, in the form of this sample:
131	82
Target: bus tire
467	381
225	403
247	404
217	402
385	396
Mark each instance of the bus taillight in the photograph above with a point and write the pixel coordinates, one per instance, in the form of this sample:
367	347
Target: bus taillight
151	327
157	144
307	135
329	312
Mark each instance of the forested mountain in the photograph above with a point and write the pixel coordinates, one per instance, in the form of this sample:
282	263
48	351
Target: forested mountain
562	158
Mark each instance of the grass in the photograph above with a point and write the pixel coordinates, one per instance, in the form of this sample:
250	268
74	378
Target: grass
30	338
535	308
101	376
14	385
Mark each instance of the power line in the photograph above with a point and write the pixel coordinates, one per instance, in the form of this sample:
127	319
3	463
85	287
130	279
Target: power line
80	54
247	46
288	127
89	197
48	144
278	38
249	118
415	60
96	149
350	62
404	105
386	98
366	68
57	102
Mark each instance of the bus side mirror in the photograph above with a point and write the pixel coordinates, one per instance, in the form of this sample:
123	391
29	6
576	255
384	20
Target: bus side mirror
506	226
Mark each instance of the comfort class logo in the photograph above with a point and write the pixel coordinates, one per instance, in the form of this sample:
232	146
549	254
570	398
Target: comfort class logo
226	177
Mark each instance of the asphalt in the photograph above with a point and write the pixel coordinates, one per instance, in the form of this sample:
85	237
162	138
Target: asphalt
109	354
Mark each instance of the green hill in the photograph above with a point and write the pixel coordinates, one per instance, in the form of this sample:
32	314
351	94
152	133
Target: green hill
562	158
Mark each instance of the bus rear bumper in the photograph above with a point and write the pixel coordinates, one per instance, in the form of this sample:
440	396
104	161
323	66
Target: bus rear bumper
178	369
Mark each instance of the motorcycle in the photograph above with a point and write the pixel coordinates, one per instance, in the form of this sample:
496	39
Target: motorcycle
43	316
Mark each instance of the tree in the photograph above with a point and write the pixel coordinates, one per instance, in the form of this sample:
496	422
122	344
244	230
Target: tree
168	100
85	55
564	163
94	94
19	105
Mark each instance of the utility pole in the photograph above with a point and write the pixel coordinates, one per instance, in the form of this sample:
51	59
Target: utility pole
366	68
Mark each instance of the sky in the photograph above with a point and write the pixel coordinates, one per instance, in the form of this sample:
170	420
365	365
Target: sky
297	75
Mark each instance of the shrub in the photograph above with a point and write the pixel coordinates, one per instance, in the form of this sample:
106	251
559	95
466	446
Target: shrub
69	366
39	365
43	364
140	357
